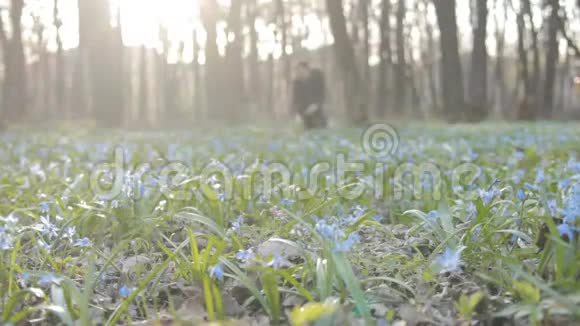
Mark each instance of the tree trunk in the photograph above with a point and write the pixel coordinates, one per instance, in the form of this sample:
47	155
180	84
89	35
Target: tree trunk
59	68
478	74
103	49
364	9
234	62
197	89
15	97
254	80
143	106
551	58
385	59
535	89
213	78
500	84
401	66
353	89
451	72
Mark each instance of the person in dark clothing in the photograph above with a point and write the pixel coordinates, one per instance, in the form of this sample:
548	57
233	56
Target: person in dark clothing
309	93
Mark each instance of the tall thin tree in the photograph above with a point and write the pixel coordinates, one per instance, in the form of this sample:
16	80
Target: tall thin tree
551	57
356	102
385	57
451	72
15	91
479	58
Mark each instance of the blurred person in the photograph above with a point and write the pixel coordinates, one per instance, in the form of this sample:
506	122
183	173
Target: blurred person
308	96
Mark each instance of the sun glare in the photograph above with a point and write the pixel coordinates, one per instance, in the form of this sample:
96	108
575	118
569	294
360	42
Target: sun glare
142	20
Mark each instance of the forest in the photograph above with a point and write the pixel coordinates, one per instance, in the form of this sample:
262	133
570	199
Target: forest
117	64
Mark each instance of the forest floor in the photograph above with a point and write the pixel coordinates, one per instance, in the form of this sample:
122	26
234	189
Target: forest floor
417	226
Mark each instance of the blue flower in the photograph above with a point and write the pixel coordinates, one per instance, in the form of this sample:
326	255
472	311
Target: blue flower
519	155
344	246
553	207
237	224
475	233
25	277
6	240
540	176
244	256
487	196
49	279
433	216
379	218
216	272
278	262
329	231
125	291
563	184
521	195
518	176
47	228
44	208
566	230
449	260
286	202
471	211
572	209
82	243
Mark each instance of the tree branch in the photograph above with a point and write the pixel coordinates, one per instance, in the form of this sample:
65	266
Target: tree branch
569	40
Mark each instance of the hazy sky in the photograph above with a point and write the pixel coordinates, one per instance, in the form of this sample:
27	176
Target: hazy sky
141	20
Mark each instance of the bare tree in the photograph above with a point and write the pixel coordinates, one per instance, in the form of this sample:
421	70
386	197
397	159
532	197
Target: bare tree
385	57
478	73
551	58
15	91
400	75
101	43
344	51
234	62
451	72
59	66
213	76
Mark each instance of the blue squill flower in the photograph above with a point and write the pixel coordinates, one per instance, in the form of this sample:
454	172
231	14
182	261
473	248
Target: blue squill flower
553	207
449	260
471	211
6	239
379	218
487	196
125	291
237	224
540	176
566	230
245	256
563	184
82	243
329	231
345	246
278	262
521	195
433	216
49	279
44	208
216	272
475	233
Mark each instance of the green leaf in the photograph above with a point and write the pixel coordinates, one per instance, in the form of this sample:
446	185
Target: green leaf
527	292
311	312
467	304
